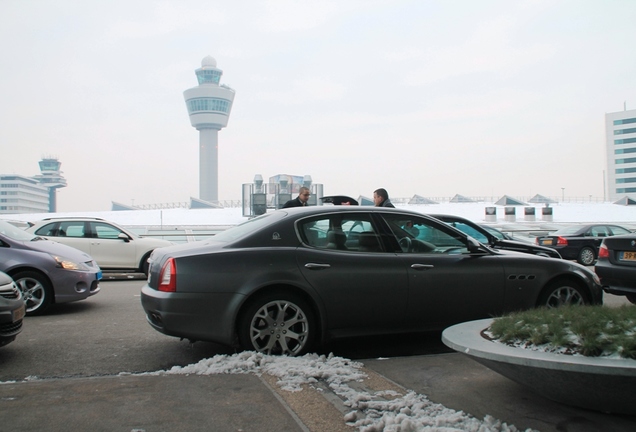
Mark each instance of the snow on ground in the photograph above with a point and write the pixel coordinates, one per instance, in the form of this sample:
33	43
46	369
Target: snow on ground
381	411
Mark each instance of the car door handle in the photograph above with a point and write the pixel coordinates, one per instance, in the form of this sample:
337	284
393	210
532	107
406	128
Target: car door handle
422	266
316	266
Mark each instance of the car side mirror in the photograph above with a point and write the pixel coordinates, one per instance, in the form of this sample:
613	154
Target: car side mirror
123	237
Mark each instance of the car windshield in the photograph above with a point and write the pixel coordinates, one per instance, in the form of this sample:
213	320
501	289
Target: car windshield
494	232
15	233
467	229
247	227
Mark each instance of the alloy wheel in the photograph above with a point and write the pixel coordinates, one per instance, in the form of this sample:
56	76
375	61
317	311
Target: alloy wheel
564	295
279	327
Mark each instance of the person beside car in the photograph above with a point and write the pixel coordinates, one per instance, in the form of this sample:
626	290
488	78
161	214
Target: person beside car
381	198
300	200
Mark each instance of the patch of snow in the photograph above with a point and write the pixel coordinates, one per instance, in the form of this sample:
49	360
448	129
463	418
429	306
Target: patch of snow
386	411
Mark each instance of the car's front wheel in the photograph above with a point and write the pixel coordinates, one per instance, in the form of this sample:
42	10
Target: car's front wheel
586	256
277	324
36	291
631	298
562	293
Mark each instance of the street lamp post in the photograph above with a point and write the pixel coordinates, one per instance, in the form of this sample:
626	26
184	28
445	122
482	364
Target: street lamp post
562	194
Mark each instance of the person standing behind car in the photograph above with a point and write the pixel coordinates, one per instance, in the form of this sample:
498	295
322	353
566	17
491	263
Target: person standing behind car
300	200
381	198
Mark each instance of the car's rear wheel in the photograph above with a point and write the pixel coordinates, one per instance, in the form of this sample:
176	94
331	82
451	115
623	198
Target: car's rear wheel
631	298
562	293
278	324
586	256
36	291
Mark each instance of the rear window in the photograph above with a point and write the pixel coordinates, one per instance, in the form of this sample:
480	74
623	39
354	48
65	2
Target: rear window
248	227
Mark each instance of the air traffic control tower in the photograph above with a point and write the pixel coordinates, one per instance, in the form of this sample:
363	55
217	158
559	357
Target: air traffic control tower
209	105
52	178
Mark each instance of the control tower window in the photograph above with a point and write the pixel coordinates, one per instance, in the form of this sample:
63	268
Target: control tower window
209	76
208	104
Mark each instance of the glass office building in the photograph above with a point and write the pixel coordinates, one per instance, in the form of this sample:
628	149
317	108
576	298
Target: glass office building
620	131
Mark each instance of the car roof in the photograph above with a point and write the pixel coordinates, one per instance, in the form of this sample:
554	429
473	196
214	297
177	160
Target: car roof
348	208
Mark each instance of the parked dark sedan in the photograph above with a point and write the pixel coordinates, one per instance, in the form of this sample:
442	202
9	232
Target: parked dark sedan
580	242
616	265
287	280
11	310
486	237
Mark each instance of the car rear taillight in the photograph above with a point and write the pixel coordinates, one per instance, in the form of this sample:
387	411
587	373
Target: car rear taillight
168	276
562	241
603	252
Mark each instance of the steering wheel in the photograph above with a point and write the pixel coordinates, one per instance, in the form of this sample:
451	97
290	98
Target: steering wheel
406	244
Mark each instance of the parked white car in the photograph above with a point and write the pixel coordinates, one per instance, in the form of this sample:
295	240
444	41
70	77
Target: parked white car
112	246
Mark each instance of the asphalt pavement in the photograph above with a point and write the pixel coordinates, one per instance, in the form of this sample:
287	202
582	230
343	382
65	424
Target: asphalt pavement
109	401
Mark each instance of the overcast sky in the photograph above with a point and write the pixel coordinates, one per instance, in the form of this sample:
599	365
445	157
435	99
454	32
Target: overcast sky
435	98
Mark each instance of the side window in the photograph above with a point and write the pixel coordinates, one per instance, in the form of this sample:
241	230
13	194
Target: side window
616	230
426	237
105	231
346	232
49	230
72	229
599	231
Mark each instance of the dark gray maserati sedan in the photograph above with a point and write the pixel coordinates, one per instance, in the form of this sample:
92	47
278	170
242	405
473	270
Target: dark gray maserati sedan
288	280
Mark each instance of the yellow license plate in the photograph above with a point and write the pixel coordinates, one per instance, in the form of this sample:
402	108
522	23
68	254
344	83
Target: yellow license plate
629	256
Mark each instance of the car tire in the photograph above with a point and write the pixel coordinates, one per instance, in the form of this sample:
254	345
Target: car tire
277	323
144	264
562	293
36	291
631	298
586	256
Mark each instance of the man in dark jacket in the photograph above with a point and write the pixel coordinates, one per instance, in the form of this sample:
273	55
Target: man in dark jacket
381	198
300	200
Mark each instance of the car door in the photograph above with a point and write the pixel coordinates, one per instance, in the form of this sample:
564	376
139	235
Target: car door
447	284
109	250
363	289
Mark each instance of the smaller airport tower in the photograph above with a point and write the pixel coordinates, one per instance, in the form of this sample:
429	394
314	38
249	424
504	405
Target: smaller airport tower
209	105
51	177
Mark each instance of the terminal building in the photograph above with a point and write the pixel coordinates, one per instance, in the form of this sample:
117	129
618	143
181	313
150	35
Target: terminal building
37	194
620	132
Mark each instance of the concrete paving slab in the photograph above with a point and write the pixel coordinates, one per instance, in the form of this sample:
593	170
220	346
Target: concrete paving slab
145	403
458	382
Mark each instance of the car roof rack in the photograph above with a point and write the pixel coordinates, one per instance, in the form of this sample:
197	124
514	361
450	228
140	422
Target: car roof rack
73	217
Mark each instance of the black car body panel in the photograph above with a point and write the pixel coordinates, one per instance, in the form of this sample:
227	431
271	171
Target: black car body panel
580	242
616	266
12	310
484	236
439	276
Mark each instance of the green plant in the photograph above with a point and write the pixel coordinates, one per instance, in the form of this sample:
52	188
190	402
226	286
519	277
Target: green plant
591	331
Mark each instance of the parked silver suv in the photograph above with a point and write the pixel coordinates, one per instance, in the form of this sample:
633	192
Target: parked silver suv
112	246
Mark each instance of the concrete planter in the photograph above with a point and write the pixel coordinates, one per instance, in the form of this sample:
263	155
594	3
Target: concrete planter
601	384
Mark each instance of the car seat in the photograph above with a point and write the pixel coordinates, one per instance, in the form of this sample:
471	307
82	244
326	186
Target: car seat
368	242
336	240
